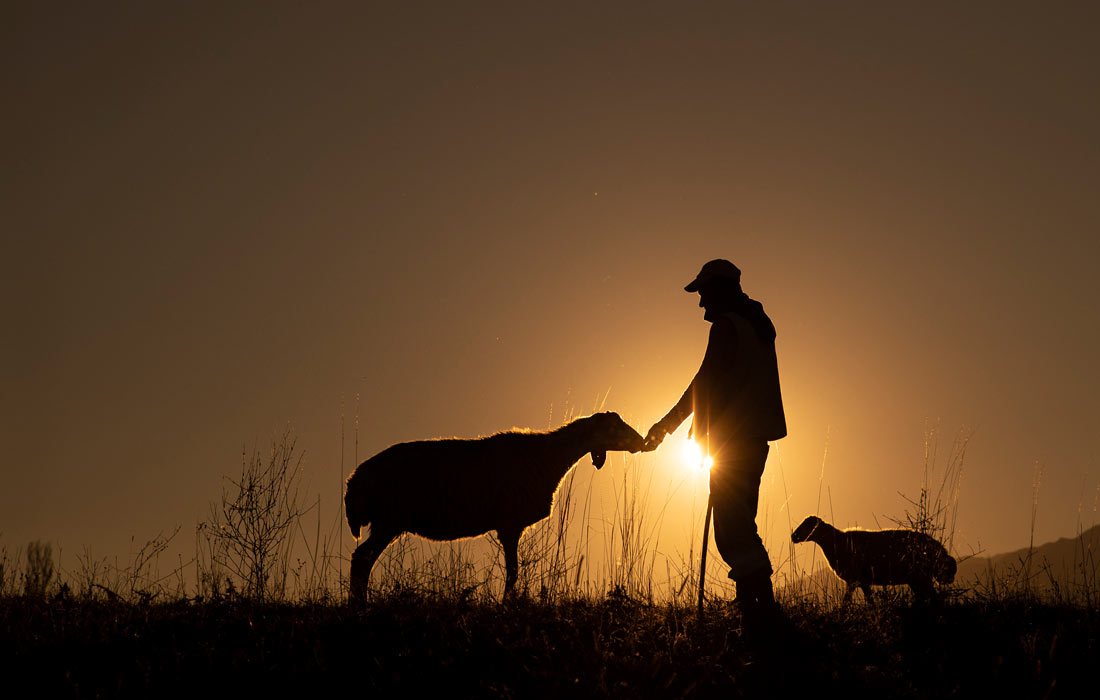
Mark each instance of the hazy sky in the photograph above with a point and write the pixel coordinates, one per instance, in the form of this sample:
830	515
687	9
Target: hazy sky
223	218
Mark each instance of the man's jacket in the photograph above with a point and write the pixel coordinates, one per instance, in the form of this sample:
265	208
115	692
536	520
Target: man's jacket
735	395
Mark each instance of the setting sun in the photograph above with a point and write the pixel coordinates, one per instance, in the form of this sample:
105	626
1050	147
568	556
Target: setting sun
691	454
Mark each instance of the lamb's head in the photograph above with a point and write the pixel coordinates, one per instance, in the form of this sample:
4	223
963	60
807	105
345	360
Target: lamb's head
805	531
610	432
945	568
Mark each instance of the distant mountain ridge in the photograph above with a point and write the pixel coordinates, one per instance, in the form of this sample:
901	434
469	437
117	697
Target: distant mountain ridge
1067	567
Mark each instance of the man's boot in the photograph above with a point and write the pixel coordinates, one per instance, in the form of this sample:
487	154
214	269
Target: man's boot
755	597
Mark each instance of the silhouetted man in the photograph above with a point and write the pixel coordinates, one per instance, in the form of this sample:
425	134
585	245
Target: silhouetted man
738	408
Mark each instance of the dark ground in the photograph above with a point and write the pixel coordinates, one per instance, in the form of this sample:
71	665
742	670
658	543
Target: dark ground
616	647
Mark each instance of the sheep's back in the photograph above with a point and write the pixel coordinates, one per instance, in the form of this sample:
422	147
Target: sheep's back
450	489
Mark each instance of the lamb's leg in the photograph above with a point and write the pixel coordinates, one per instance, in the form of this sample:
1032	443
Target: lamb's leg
849	592
866	594
509	542
362	561
922	590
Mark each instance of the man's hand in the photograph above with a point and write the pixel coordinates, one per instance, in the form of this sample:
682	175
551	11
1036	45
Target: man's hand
654	437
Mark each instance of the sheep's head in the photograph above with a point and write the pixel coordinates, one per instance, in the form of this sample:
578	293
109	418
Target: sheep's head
612	433
805	531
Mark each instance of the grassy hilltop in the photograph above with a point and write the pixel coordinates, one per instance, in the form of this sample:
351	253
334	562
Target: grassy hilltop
250	618
610	647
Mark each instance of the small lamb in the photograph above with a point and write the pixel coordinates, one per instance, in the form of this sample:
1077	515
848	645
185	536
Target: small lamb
868	558
454	488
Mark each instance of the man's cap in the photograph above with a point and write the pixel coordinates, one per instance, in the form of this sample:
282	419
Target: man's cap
713	271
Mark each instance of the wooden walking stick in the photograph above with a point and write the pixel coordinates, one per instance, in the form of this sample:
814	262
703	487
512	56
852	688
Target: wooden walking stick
703	556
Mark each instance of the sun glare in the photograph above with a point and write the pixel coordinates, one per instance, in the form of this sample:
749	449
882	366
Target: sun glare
692	456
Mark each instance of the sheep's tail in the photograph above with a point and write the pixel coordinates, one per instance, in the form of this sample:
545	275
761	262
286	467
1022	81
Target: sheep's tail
355	520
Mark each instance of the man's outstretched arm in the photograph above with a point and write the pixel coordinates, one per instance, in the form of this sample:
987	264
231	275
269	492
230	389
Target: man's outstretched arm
671	421
717	375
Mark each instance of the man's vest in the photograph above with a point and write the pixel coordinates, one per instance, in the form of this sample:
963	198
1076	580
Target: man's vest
759	403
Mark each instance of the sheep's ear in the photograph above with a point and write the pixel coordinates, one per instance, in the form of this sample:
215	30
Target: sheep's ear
598	458
816	522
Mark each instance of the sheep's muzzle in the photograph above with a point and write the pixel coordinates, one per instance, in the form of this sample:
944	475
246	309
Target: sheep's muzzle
613	433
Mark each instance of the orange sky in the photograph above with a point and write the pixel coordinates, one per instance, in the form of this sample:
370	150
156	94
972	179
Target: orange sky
218	221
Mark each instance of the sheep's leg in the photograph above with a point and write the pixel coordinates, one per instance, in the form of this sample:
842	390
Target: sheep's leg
509	542
362	561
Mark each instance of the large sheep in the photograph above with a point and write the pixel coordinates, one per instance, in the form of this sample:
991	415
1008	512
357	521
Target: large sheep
454	488
868	558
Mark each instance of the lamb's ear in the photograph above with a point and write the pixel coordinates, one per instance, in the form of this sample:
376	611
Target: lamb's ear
598	458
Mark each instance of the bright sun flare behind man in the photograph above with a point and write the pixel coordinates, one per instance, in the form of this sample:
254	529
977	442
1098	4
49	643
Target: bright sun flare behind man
691	455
